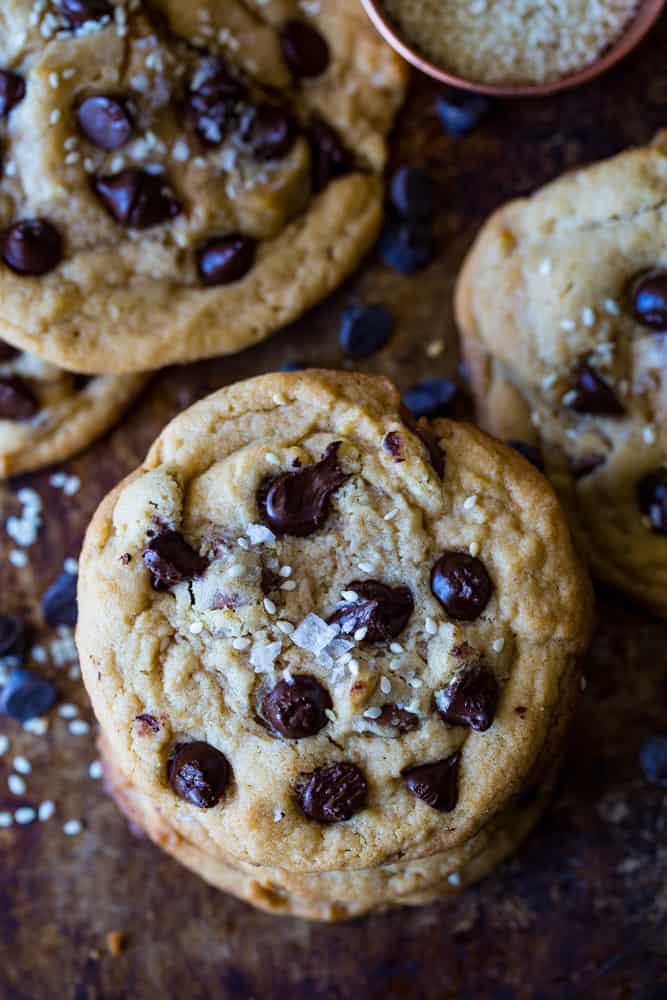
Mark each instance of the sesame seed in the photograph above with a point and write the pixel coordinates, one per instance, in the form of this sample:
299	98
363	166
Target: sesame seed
22	765
269	606
16	785
68	711
454	878
54	117
285	570
567	324
470	502
373	712
360	634
435	348
611	307
272	459
588	316
197	627
79	727
72	486
391	515
395	647
545	266
385	685
278	815
25	815
18	559
394	664
473	548
330	714
54	80
279	399
241	643
243	543
649	435
353	667
71	566
286	627
431	627
498	645
36	726
288	585
95	770
45	811
6	819
365	567
4	744
72	828
569	397
549	380
349	595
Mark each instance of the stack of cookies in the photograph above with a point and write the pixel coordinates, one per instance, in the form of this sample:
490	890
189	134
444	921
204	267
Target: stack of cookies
333	653
178	181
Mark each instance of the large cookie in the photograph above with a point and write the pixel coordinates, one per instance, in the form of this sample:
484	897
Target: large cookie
301	606
180	180
562	305
47	414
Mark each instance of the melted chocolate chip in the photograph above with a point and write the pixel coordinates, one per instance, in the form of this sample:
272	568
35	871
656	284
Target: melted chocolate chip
435	784
137	199
427	438
462	585
397	718
382	610
393	443
198	773
225	259
652	498
17	400
106	121
329	157
296	709
12	91
12	637
211	106
593	395
80	12
171	560
306	52
297	503
471	699
649	300
7	352
334	793
32	247
269	131
149	722
584	465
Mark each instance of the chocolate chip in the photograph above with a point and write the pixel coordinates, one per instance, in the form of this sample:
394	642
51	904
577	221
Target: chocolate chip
530	452
461	584
26	696
652	498
106	121
81	12
407	247
329	157
306	52
225	259
137	199
7	352
593	395
297	503
149	721
17	400
470	699
198	773
296	709
413	193
382	610
431	398
649	300
364	330
12	637
211	105
584	465
334	793
269	131
459	112
435	784
653	760
397	718
170	560
59	605
393	443
12	91
32	247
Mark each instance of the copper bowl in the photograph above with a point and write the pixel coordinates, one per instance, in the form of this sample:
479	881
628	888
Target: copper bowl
647	15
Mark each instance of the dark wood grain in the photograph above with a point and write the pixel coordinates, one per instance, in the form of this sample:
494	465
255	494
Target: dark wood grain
582	911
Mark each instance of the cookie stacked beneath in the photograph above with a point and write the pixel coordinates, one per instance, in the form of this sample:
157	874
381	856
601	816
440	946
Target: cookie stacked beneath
333	654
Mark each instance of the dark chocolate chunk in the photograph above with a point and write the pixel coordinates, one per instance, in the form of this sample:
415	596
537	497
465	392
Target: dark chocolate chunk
462	585
26	696
592	394
211	106
305	50
382	610
12	91
397	718
297	503
431	398
436	784
459	111
32	247
407	246
365	329
12	637
296	709
170	560
80	12
529	451
584	465
470	699
106	121
198	773
59	605
653	760
649	300
652	498
413	193
334	793
137	198
329	156
269	131
225	259
393	443
17	400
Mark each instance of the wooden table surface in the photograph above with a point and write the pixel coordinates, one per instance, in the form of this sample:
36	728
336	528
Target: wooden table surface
582	910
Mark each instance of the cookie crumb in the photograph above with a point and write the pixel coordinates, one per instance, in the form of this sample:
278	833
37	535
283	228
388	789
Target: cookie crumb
116	942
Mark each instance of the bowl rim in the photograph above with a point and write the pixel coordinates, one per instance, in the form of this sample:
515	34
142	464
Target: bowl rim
648	13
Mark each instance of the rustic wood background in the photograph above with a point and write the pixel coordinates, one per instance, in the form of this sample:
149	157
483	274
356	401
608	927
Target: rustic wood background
582	911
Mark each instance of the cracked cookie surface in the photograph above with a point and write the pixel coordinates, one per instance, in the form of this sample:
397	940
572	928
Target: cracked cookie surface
383	651
562	305
179	181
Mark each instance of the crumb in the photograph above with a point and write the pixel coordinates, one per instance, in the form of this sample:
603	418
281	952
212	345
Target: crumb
115	942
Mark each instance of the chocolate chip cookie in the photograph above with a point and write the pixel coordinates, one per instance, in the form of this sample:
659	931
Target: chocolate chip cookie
180	180
47	414
320	637
562	305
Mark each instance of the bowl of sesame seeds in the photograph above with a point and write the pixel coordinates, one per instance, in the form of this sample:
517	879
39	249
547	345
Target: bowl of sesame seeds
514	48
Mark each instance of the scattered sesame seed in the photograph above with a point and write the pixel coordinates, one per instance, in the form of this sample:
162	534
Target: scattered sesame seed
241	643
269	606
431	627
37	727
285	570
569	397
470	502
6	819
16	785
568	324
549	380
365	567
498	645
22	765
45	811
71	566
79	727
197	627
54	117
435	348
72	486
72	828
360	633
288	585
353	667
349	595
385	685
68	711
394	664
278	815
373	712
286	627
395	647
272	459
390	515
588	316
330	714
18	559
454	878
25	815
545	266
611	307
649	435
4	744
95	770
